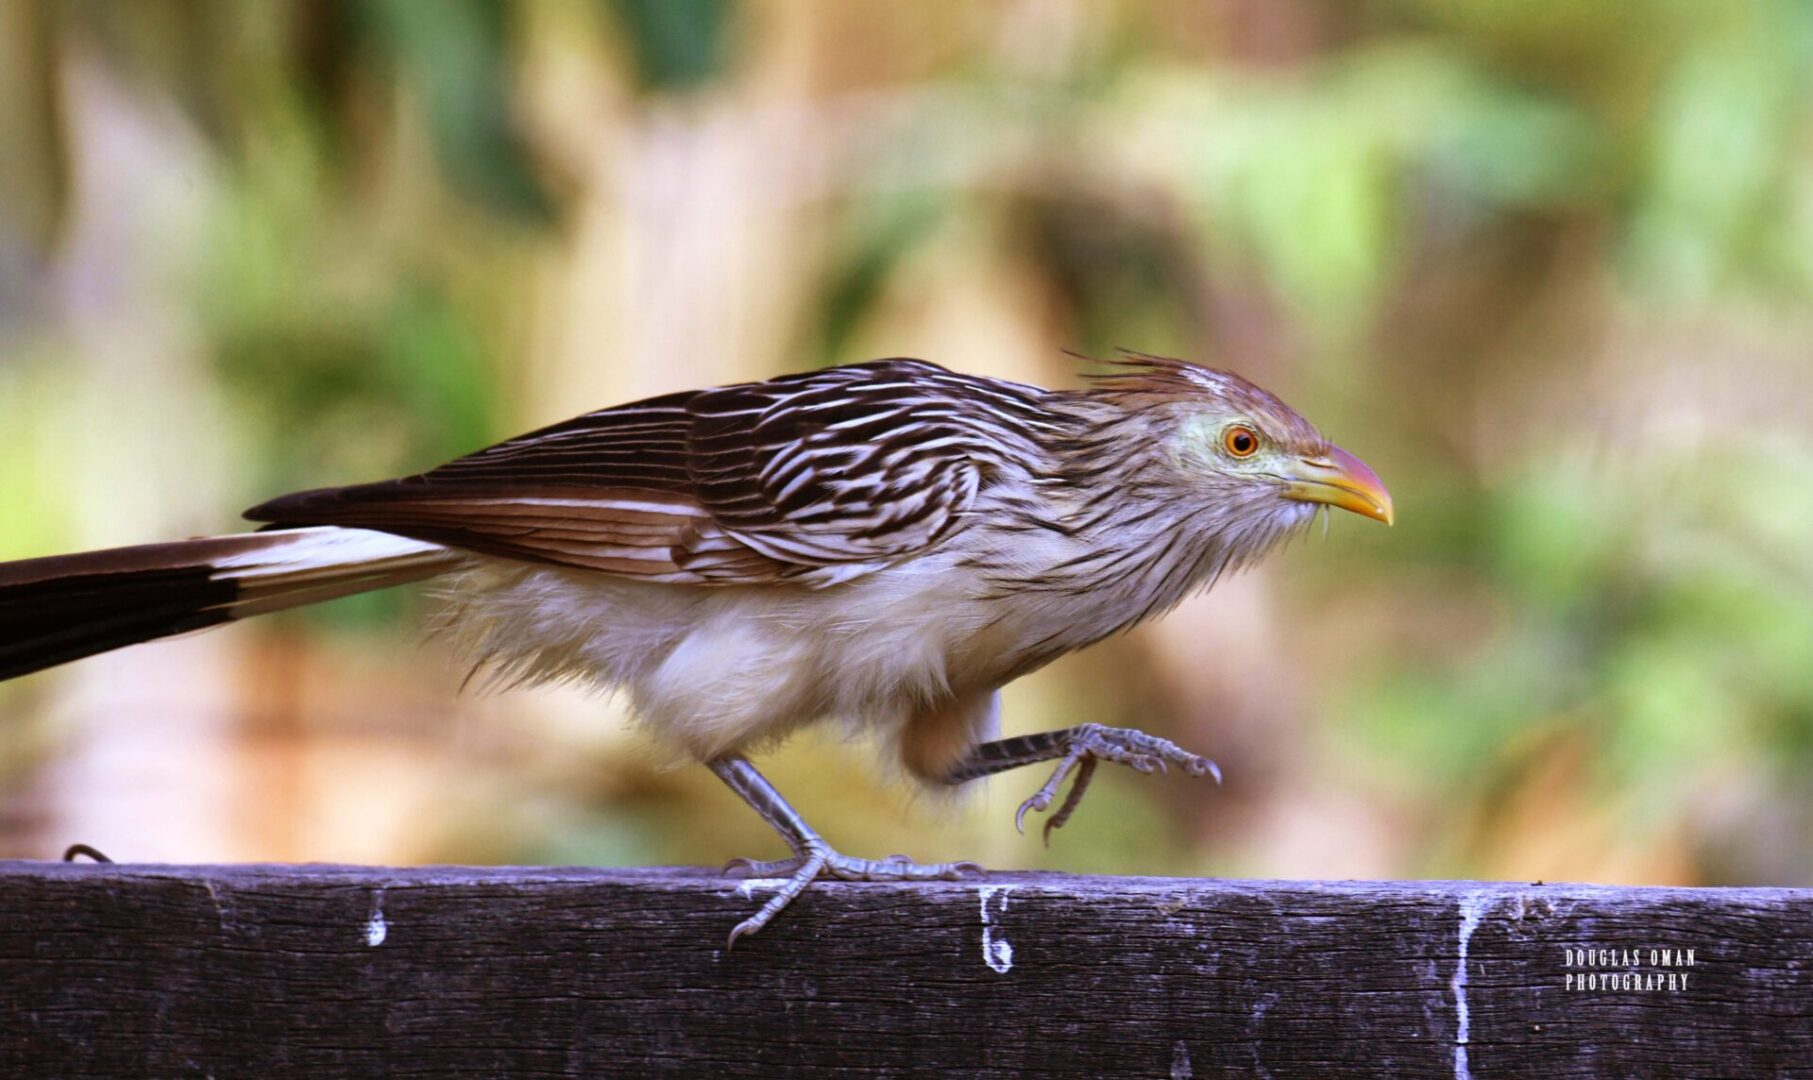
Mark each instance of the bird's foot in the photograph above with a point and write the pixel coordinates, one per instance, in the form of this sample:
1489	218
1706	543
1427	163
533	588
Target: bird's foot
817	860
1092	743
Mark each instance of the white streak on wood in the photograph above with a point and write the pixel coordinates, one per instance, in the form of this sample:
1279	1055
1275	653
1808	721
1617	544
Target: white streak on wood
1472	907
997	953
376	929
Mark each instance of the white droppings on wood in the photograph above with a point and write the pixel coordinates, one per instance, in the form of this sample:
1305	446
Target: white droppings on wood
1180	1062
1473	907
997	953
376	929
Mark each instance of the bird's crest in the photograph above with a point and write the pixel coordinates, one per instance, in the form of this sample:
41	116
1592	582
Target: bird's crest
1134	376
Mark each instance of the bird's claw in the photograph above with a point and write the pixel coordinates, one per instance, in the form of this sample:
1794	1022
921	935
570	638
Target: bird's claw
818	860
1093	743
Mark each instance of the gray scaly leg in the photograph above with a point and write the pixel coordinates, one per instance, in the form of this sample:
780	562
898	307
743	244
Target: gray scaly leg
812	856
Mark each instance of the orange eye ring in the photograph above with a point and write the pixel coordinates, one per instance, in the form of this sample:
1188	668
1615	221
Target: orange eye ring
1240	441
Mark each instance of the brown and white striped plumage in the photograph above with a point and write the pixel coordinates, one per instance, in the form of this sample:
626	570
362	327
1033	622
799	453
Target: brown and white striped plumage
812	478
886	542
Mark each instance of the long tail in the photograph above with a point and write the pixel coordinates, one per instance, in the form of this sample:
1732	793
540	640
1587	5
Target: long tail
65	607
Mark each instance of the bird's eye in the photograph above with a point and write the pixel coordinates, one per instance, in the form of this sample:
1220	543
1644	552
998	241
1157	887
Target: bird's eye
1240	441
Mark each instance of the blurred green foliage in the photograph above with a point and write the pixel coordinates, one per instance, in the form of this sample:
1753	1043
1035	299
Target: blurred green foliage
675	44
1546	265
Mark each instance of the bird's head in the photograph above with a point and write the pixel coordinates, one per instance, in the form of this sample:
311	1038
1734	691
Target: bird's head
1240	446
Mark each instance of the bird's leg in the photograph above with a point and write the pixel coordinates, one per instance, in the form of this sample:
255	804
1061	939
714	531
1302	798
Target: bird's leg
812	856
1077	748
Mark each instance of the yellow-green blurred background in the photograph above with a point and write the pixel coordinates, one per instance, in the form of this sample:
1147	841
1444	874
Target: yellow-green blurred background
1545	264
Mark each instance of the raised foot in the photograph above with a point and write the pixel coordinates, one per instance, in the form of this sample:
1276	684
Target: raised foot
1091	743
819	860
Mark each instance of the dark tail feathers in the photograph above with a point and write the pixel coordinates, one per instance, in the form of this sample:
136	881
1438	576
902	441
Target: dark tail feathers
65	607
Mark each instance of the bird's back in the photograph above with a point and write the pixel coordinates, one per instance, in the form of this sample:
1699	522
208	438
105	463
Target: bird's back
816	477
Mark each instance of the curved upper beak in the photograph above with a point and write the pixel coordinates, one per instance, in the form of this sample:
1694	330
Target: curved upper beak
1339	479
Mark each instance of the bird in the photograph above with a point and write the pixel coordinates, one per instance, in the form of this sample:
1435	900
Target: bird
884	543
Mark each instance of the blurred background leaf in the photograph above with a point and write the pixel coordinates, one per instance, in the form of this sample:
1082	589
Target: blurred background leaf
1545	265
675	44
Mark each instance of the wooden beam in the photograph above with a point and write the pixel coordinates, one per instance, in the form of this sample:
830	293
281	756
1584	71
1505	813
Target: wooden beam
269	971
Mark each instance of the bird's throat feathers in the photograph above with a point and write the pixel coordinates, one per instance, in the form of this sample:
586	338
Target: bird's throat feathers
1087	561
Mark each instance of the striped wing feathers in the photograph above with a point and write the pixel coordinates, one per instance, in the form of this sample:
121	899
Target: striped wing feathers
818	476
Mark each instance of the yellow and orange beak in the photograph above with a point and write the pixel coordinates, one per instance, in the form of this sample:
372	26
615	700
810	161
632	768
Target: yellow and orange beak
1339	479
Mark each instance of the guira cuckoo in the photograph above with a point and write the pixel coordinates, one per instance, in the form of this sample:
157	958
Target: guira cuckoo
888	543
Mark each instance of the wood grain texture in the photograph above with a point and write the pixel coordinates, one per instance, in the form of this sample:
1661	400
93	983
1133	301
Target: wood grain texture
272	971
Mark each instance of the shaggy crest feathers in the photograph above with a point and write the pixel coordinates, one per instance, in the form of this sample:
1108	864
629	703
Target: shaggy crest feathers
1144	379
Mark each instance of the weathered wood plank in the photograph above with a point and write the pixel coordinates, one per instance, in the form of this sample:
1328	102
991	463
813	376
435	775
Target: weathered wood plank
272	971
